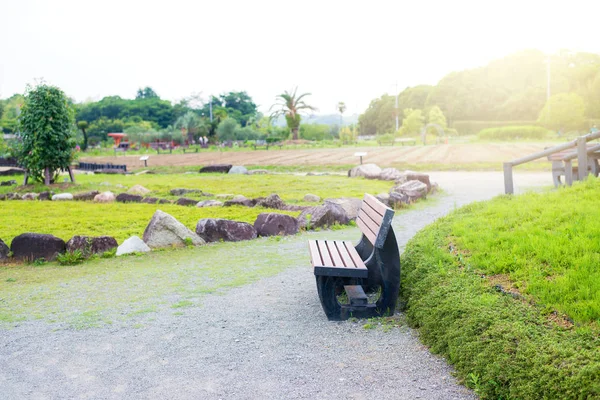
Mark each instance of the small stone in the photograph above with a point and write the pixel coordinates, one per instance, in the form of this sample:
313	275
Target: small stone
219	168
128	198
237	169
86	196
312	198
209	203
105	197
62	197
132	245
30	196
183	201
139	190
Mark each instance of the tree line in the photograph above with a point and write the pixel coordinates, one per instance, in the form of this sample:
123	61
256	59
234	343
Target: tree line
514	88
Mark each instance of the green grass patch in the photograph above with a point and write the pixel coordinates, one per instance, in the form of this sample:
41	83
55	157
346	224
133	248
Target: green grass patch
509	292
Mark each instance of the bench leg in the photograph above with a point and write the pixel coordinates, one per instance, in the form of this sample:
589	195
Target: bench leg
388	261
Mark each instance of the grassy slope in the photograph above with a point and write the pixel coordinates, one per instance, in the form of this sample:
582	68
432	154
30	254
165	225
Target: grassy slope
545	246
65	219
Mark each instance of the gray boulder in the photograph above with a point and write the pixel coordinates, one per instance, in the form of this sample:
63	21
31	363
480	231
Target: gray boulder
219	168
217	229
369	171
128	198
240	200
209	203
390	174
105	197
139	190
33	246
13	196
312	198
384	198
414	190
272	224
155	200
4	251
184	201
45	196
165	231
62	197
238	169
415	176
132	245
397	200
181	191
30	196
86	196
350	205
323	216
272	201
91	245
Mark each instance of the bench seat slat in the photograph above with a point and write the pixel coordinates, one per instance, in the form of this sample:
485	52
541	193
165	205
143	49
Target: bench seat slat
348	262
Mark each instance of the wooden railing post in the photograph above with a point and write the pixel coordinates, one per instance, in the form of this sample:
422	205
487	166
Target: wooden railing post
582	158
508	178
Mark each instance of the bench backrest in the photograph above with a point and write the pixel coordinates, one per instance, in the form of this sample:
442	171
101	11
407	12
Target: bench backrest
374	220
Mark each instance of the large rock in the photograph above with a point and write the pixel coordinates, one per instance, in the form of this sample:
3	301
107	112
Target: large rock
62	197
132	245
415	176
30	196
272	224
13	196
350	205
369	171
139	190
413	189
105	197
91	245
128	198
240	200
397	199
272	201
313	198
45	196
86	196
238	169
181	191
4	251
209	203
8	183
33	246
384	198
165	231
390	174
221	168
217	229
183	201
323	216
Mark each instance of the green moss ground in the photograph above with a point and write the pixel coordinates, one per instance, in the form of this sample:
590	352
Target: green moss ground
509	292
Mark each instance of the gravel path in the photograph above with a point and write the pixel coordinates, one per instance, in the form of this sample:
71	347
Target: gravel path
266	340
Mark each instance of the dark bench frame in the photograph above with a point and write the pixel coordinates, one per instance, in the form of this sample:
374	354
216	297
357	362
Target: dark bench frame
378	266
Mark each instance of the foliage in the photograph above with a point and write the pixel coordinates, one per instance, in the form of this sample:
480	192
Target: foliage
413	122
414	97
226	130
46	131
436	116
146	93
315	132
70	258
348	135
83	126
192	125
291	105
379	117
514	132
386	138
541	247
473	127
564	111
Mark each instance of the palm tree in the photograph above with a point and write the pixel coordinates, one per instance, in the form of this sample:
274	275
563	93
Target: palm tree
289	104
341	106
191	123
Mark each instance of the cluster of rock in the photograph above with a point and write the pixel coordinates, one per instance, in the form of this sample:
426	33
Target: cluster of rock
409	186
231	169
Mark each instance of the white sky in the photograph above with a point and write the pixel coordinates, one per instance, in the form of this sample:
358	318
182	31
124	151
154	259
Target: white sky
350	51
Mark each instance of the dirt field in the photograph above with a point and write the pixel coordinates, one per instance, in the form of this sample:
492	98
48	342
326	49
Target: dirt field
450	154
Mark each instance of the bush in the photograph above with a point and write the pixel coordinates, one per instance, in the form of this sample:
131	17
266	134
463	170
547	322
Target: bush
316	132
70	258
386	138
513	133
473	127
226	129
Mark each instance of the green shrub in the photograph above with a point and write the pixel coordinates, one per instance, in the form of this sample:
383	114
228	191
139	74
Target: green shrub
70	258
513	133
386	138
473	127
316	132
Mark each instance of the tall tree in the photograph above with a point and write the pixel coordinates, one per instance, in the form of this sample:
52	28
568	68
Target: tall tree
83	125
191	123
46	132
413	121
564	111
146	93
291	105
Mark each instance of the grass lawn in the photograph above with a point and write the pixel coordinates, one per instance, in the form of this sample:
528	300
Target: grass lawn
509	292
65	219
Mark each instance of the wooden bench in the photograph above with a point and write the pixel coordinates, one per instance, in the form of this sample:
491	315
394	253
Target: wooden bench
350	277
562	164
